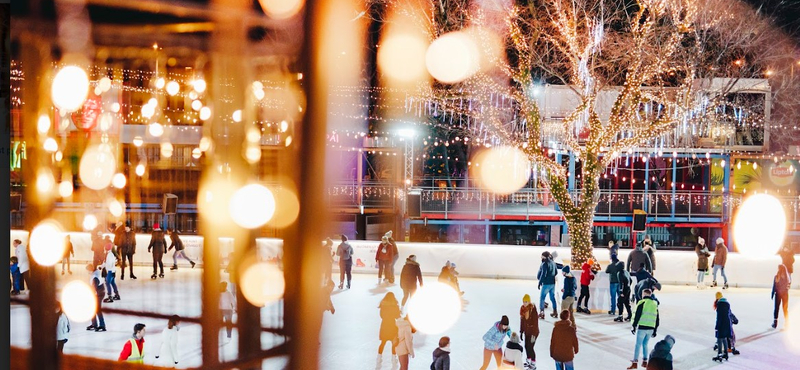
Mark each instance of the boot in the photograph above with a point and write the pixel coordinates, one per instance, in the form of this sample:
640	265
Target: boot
717	358
644	364
725	286
634	365
102	328
116	297
774	323
586	311
627	319
554	314
122	277
133	276
153	276
91	327
174	267
192	263
714	284
541	315
108	300
618	319
161	275
735	351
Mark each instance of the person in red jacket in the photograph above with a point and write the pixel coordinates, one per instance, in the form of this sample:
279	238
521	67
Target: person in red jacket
131	353
586	278
385	257
529	328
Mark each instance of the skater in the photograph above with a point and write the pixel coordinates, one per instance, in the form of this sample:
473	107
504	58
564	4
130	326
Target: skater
529	329
158	246
780	293
613	248
409	277
564	342
661	358
720	258
345	253
787	258
98	322
110	265
512	357
133	350
568	298
16	276
62	328
21	252
384	257
587	276
723	328
613	271
702	262
390	312
168	353
650	249
180	250
395	253
69	250
645	325
119	233
547	283
493	342
405	342
636	258
127	250
624	299
227	304
645	281
734	321
98	247
441	355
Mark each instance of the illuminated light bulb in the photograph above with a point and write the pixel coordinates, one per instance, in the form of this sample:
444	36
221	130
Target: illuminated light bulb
284	126
453	57
166	150
199	85
259	94
70	88
722	163
173	88
281	9
119	181
503	170
288	140
401	56
434	308
155	129
45	180
197	105
252	154
115	208
148	111
205	113
43	125
59	156
65	189
287	208
205	143
78	301
160	82
50	145
47	243
196	153
739	165
89	222
104	84
237	115
262	283
115	107
106	120
192	95
755	165
244	213
137	141
139	170
759	226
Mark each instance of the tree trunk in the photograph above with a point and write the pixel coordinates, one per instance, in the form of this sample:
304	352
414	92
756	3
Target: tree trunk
579	226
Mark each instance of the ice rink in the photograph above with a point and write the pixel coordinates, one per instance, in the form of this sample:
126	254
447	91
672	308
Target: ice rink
350	337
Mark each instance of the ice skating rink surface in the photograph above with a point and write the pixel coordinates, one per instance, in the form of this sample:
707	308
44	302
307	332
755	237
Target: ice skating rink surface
349	338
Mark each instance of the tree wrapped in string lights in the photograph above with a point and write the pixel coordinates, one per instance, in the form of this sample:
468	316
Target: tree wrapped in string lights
647	75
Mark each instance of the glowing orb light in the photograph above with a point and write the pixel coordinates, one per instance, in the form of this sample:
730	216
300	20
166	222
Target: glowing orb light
119	181
401	56
155	129
197	105
50	145
140	170
503	170
148	110
45	182
214	198
237	115
115	107
173	88
89	222
43	125
252	206
137	141
196	153
287	208
47	243
252	153
759	226
78	301
70	88
281	9
166	150
205	113
160	82
115	207
262	283
104	84
199	85
97	167
452	57
205	143
434	308
65	189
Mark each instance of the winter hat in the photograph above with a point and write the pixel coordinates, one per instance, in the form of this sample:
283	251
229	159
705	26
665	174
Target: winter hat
453	265
701	241
719	295
384	239
526	298
670	339
590	261
546	254
504	320
720	241
565	269
412	257
156	226
514	337
554	255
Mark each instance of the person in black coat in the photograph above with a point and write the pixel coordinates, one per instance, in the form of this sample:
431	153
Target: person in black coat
177	243
724	328
157	246
409	276
127	250
661	356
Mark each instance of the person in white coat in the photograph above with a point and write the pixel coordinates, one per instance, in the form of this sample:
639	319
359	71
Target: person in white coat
21	251
110	265
512	358
62	328
227	304
405	342
168	355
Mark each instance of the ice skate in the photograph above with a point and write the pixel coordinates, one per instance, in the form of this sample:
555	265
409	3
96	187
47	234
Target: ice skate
154	276
116	297
340	285
161	275
541	315
644	364
774	324
725	286
91	327
618	319
627	319
735	351
108	300
192	264
173	268
133	277
634	365
554	314
713	284
102	328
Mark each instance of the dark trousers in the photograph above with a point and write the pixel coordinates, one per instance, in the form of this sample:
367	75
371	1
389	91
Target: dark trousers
407	293
530	340
25	281
584	296
781	300
345	268
722	346
129	256
98	321
60	345
624	301
157	256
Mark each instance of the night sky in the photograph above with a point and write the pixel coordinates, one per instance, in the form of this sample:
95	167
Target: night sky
785	12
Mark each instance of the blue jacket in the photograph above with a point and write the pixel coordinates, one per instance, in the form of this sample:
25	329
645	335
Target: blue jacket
547	272
724	325
493	339
569	286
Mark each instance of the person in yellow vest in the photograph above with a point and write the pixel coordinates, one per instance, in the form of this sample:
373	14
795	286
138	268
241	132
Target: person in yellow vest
133	350
645	324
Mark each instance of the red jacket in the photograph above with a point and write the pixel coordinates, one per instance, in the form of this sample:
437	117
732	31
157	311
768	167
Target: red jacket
587	276
388	255
126	349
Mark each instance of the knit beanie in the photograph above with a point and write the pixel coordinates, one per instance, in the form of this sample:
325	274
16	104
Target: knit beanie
719	295
565	269
526	298
700	240
720	241
504	320
514	337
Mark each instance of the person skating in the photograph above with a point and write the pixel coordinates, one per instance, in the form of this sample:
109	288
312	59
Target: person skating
110	265
512	356
409	276
568	296
636	258
16	276
389	312
69	250
661	357
98	247
732	338
98	321
180	249
587	276
345	254
720	259
157	246
127	250
119	234
529	330
702	262
24	265
787	257
547	283
780	293
62	328
650	249
624	299
645	326
384	256
613	270
133	350
395	253
564	342
493	342
613	248
227	304
405	342
168	353
723	328
645	281
441	355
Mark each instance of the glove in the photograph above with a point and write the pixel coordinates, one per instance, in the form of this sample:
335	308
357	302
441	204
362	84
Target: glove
540	287
149	249
654	334
633	331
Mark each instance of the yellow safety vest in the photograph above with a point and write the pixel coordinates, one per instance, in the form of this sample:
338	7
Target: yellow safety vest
649	312
136	356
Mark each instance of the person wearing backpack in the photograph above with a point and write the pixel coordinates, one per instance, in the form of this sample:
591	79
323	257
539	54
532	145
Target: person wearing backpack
441	355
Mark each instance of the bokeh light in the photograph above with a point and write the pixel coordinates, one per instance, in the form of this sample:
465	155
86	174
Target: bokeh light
199	85
70	88
252	206
45	182
119	181
166	150
197	105
759	226
104	84
47	243
281	9
196	153
205	143
78	301
160	82
148	110
65	189
262	283
287	207
97	167
205	113
106	120
213	200
43	125
50	145
115	207
89	222
137	141
252	153
140	170
452	57
155	129
503	170
434	308
173	88
401	56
